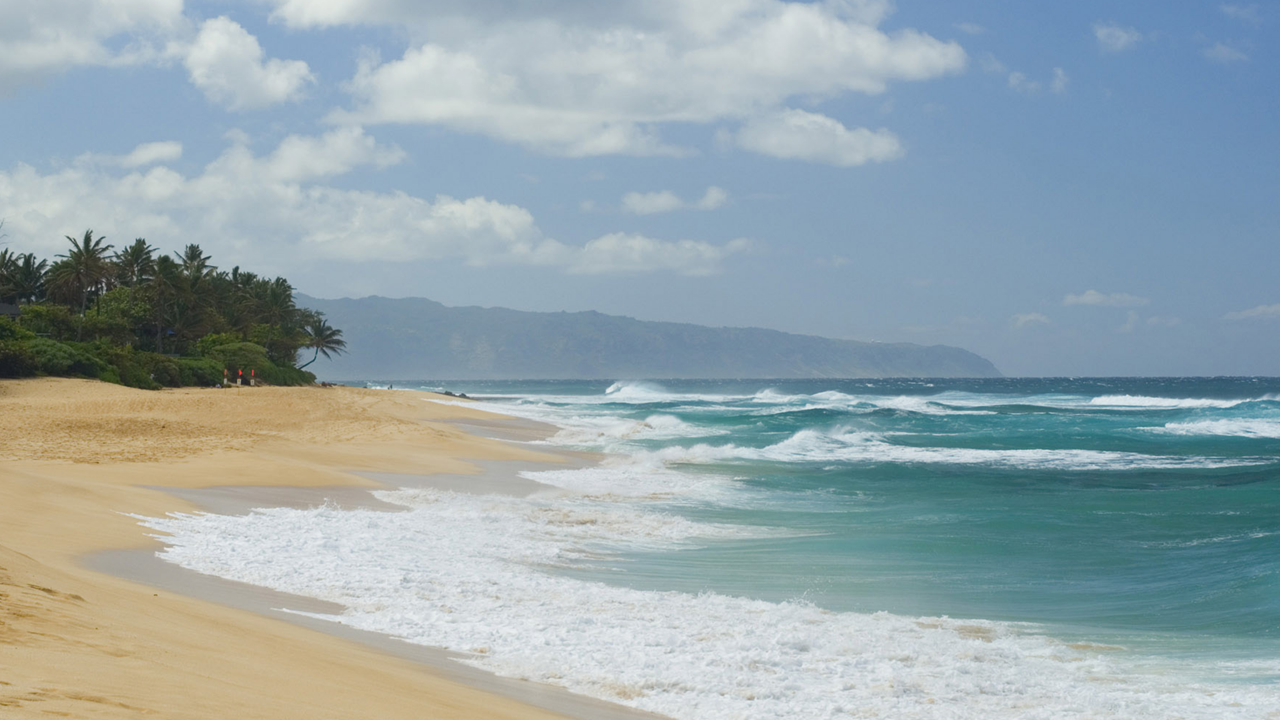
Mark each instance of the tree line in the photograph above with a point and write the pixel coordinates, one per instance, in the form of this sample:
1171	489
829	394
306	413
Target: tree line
135	309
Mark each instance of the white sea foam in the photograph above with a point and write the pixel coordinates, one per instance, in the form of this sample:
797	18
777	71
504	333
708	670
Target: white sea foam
469	573
866	447
643	393
642	475
607	430
1241	427
1142	401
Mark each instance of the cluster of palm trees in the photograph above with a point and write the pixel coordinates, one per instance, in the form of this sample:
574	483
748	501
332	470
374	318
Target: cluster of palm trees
166	303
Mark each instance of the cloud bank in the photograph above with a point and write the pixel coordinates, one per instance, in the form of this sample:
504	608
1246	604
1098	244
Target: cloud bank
276	208
599	80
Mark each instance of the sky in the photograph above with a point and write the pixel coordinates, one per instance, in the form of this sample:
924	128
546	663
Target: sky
1068	189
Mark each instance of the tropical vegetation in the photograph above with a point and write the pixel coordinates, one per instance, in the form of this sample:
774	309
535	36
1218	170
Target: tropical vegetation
147	319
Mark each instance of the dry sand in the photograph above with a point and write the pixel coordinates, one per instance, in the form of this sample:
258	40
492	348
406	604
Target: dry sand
75	455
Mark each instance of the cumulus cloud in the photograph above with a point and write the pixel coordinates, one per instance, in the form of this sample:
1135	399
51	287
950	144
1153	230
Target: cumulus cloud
275	208
665	201
229	67
1024	320
1093	297
1020	82
142	155
39	38
1114	38
1261	312
801	135
1225	54
580	80
651	203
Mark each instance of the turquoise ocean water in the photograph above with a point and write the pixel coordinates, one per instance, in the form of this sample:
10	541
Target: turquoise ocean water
861	548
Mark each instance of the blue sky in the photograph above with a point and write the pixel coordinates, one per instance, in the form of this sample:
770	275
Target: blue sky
1078	188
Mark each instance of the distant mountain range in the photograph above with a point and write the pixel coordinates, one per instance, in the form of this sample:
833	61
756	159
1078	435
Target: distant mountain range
416	338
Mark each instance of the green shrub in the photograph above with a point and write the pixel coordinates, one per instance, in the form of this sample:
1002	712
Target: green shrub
125	365
276	375
16	359
10	330
241	356
253	360
55	321
204	372
63	359
207	344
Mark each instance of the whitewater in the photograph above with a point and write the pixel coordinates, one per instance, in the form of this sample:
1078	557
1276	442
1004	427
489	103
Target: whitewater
833	549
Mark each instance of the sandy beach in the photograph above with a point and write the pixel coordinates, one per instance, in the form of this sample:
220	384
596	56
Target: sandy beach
77	457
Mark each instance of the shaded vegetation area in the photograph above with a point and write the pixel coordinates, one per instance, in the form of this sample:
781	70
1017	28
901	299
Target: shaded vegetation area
149	320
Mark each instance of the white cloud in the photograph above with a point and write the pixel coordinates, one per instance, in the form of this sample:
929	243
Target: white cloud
1247	13
154	152
970	28
625	253
800	135
664	201
142	155
1060	80
1262	312
271	210
651	203
1093	297
1114	38
1130	323
582	80
1024	320
228	66
713	198
39	38
1019	81
1225	54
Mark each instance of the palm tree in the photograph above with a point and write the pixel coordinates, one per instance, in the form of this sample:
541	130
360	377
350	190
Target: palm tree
8	266
85	269
195	264
277	311
164	288
26	281
324	339
136	264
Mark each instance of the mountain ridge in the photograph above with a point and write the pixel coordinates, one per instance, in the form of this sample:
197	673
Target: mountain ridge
418	338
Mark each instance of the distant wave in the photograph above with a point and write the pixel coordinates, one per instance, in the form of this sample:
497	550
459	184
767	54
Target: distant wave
1242	427
866	447
1141	401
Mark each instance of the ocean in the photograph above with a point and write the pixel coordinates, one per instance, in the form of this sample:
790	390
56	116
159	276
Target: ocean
1012	548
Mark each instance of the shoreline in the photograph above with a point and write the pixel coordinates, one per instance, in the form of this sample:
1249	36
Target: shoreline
93	624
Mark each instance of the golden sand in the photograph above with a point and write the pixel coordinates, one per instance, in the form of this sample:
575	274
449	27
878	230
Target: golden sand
75	455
